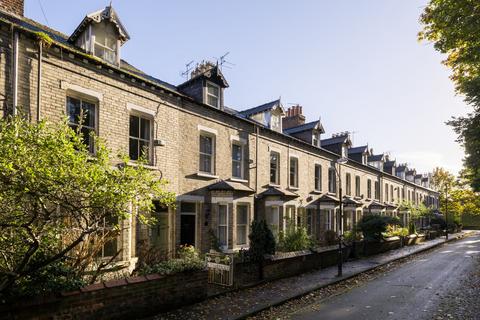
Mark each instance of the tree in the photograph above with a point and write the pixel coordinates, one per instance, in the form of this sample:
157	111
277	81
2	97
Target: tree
56	199
454	28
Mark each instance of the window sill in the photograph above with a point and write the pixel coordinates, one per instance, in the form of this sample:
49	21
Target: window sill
207	175
316	192
332	194
238	180
293	188
274	185
147	166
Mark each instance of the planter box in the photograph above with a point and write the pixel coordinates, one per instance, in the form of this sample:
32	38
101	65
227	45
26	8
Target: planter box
376	247
127	298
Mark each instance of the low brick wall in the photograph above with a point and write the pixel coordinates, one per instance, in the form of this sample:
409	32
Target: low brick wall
282	266
129	298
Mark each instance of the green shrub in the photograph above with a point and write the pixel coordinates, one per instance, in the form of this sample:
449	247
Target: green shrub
394	231
188	260
262	240
373	226
352	235
294	239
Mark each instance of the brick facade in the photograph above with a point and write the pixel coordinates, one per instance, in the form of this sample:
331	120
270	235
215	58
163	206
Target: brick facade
178	121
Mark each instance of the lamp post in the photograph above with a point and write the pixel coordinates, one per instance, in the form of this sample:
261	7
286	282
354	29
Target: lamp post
446	211
340	161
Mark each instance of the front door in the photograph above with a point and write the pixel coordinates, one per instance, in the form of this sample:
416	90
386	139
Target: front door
187	229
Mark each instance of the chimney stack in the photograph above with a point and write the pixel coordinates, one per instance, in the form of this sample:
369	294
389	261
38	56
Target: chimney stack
12	6
294	117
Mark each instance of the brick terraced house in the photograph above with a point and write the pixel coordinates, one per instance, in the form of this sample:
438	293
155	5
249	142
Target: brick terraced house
227	167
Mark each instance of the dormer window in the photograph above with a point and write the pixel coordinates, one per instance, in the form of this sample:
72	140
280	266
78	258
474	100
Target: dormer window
344	151
315	139
275	121
213	95
101	33
365	158
105	42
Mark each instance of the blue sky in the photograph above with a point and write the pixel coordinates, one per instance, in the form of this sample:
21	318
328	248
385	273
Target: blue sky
356	64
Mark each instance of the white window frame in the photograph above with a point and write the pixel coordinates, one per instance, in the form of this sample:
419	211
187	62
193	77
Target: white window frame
212	155
317	181
91	100
332	182
295	182
208	94
224	246
277	172
357	186
246	226
369	188
315	139
150	142
275	218
241	161
348	184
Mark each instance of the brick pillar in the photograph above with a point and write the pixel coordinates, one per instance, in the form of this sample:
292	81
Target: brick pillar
12	6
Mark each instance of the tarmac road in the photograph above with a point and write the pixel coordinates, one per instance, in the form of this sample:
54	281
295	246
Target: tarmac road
413	291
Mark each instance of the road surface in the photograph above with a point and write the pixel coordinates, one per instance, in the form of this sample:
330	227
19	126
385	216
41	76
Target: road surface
412	291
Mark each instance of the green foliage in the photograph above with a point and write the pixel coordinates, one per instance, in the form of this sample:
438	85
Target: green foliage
56	196
262	240
373	226
214	242
453	27
352	235
44	38
394	231
294	239
188	260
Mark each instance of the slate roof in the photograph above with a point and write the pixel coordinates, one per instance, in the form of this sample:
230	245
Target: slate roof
411	172
334	140
375	204
230	186
401	168
276	191
33	26
304	127
356	150
418	176
389	163
109	14
262	108
375	157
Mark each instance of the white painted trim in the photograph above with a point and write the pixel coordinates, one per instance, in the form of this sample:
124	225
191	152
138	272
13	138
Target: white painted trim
207	129
222	200
207	175
238	180
273	203
76	88
238	139
190	198
270	149
133	107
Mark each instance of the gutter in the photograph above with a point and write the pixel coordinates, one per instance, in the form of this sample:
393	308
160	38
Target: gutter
39	79
15	71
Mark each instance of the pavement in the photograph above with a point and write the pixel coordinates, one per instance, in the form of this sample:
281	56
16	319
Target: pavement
413	291
244	303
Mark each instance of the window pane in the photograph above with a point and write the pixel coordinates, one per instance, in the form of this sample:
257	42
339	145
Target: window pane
134	126
144	149
73	109
241	235
145	129
222	215
222	235
133	149
213	90
89	114
205	163
242	215
274	158
212	101
236	169
206	144
236	152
